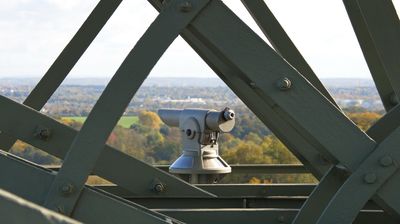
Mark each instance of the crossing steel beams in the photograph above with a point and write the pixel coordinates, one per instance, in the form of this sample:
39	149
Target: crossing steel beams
354	167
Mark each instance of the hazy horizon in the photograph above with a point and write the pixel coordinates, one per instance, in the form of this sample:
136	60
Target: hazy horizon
167	77
174	81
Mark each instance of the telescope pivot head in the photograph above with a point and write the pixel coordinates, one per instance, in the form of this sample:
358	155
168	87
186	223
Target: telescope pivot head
200	130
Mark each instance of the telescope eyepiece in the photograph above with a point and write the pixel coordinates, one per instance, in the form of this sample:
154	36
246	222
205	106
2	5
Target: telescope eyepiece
229	114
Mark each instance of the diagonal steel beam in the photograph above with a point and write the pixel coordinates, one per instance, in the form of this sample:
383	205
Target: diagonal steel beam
59	70
289	103
22	122
377	27
256	216
93	206
384	126
374	171
88	144
32	212
282	43
336	177
320	196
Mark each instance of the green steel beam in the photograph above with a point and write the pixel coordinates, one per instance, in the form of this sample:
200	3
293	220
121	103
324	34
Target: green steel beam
259	168
256	216
379	131
282	43
258	190
229	190
22	122
66	60
32	183
14	209
229	202
198	203
384	126
320	196
88	144
377	27
374	172
335	178
231	196
242	168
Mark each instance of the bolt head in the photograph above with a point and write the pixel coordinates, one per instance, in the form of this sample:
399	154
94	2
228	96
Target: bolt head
42	133
159	187
185	7
67	189
60	209
370	178
284	83
386	161
252	85
281	219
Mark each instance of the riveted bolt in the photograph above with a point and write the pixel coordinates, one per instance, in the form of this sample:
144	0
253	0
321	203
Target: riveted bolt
370	178
67	189
159	187
284	83
43	133
60	209
244	203
252	85
185	7
386	161
281	219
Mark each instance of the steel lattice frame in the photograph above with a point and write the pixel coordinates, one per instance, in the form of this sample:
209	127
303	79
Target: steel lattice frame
357	170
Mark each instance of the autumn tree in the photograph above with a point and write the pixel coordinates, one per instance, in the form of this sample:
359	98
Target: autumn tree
364	120
149	119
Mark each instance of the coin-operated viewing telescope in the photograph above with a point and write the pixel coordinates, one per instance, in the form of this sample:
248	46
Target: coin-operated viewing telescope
200	161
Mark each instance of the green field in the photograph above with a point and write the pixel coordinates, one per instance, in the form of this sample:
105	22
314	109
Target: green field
125	121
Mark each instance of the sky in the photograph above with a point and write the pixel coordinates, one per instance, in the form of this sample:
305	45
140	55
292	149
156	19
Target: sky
34	32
